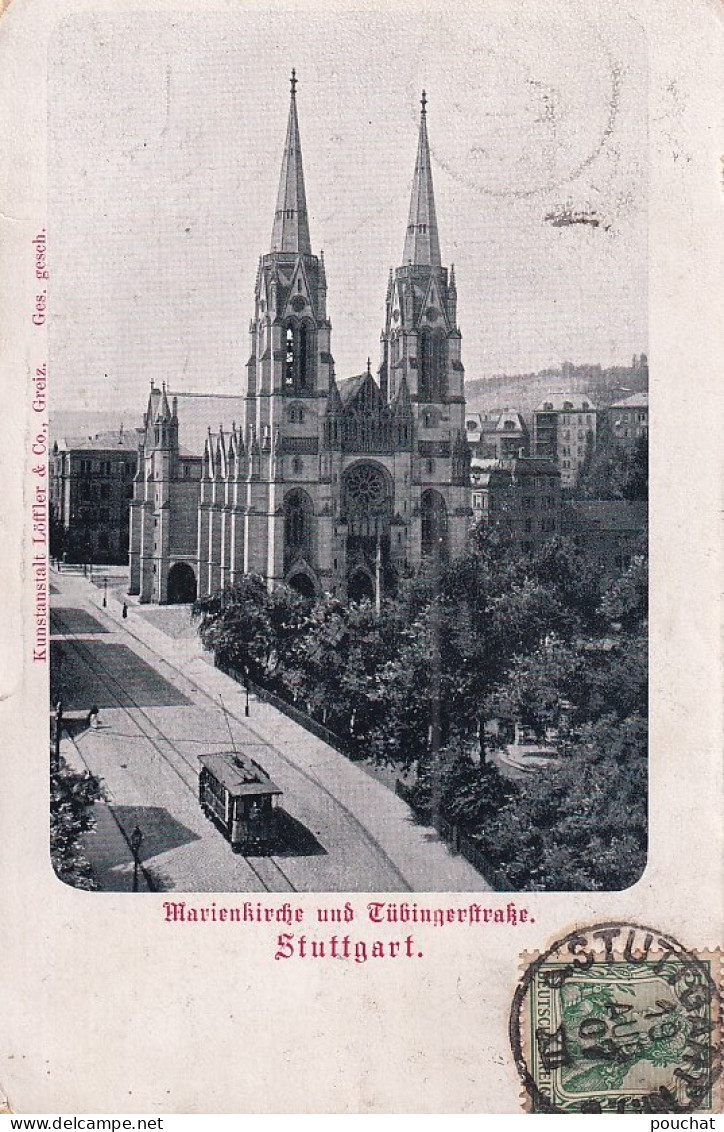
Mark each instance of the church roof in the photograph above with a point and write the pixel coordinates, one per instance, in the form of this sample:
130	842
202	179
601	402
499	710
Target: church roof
120	440
200	412
566	402
350	386
290	232
635	401
422	243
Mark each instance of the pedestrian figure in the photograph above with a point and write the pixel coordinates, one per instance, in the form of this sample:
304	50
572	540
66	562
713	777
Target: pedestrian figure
93	717
124	612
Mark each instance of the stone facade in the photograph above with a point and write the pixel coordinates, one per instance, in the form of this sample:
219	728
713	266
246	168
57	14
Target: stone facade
564	431
91	483
340	486
629	419
523	494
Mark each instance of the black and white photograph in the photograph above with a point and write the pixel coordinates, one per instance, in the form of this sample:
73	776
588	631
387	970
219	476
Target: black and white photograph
360	650
349	453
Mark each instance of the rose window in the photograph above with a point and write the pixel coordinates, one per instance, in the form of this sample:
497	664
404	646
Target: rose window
365	489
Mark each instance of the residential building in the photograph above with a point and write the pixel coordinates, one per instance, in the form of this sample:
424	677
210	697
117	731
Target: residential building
91	485
629	419
497	436
609	532
564	431
524	494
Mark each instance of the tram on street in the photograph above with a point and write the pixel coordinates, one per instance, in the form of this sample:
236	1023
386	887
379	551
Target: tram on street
240	798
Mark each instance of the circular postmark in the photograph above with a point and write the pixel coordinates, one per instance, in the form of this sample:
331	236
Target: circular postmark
618	1018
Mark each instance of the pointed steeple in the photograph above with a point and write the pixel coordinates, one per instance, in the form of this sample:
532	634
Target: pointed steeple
291	226
422	245
402	406
334	401
333	416
163	412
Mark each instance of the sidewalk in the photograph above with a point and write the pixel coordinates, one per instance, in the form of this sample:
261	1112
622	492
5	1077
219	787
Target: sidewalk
421	856
107	845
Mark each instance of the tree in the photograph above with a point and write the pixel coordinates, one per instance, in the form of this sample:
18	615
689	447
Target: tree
576	581
625	605
72	795
582	825
613	470
538	688
250	629
498	634
636	482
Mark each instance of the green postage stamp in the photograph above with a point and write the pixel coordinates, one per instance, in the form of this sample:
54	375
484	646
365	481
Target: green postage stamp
618	1018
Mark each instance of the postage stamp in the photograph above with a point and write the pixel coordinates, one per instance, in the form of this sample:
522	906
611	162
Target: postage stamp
618	1018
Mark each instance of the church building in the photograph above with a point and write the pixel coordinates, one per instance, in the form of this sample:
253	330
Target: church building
333	485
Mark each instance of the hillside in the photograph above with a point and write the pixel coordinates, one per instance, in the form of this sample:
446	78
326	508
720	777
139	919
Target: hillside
524	391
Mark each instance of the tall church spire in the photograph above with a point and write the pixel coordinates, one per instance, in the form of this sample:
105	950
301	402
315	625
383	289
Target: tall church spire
291	226
422	245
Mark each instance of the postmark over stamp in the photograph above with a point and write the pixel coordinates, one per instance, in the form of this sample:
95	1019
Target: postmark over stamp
618	1018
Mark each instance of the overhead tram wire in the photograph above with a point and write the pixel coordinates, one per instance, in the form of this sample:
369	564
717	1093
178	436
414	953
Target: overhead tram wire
107	678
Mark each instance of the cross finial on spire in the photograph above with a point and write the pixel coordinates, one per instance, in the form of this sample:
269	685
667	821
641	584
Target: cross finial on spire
422	245
369	366
290	232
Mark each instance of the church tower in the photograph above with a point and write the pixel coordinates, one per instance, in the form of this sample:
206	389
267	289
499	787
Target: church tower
344	486
288	380
151	509
421	363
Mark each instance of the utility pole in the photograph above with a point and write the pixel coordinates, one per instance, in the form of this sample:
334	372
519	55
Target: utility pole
378	574
435	682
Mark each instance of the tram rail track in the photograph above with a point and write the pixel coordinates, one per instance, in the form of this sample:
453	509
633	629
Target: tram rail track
108	679
350	817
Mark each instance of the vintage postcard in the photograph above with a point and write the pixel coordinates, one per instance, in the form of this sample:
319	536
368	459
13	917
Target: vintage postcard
361	675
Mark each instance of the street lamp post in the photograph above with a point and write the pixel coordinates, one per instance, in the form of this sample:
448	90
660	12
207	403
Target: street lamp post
246	692
105	592
136	839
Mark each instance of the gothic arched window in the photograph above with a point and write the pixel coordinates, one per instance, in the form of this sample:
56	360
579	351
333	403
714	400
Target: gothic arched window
431	366
289	358
298	512
434	525
299	358
366	498
295	414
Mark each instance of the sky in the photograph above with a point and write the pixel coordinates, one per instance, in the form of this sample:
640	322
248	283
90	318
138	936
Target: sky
165	144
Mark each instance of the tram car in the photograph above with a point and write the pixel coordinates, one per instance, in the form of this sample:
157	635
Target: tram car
240	797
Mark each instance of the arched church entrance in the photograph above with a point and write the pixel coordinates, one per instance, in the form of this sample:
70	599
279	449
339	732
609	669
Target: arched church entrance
298	520
367	500
360	586
181	588
303	584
